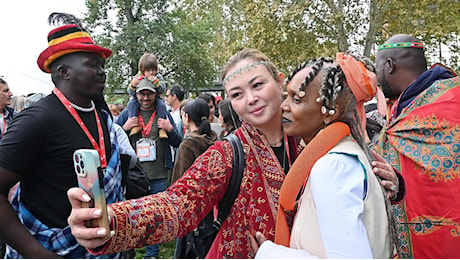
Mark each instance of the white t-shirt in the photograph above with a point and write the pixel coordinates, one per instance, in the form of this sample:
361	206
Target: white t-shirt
176	117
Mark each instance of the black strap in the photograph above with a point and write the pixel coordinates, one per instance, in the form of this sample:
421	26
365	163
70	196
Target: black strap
235	180
124	161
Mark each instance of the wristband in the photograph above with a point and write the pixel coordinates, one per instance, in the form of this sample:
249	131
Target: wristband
156	82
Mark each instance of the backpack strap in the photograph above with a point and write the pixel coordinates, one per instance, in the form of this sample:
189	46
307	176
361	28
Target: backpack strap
235	180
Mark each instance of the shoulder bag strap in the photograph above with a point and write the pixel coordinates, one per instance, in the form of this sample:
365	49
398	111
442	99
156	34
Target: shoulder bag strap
235	180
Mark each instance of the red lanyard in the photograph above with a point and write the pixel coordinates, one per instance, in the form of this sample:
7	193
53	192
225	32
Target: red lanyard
286	145
146	129
4	122
99	148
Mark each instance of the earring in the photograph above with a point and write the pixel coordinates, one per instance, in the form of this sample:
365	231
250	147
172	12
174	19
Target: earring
323	110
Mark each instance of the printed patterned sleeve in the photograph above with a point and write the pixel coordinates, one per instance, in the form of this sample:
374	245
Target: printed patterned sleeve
173	213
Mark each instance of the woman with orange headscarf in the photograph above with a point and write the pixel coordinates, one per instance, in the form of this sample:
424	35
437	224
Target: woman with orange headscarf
340	209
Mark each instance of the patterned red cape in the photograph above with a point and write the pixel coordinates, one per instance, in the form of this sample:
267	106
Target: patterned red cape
423	143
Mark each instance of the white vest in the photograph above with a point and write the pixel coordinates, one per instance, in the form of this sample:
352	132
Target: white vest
305	231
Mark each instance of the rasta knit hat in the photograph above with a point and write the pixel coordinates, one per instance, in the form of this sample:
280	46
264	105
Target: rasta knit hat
67	39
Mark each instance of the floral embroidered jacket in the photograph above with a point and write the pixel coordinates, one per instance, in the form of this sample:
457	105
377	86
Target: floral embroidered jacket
164	216
423	143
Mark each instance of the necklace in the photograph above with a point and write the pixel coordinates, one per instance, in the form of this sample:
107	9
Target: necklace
83	109
278	144
284	157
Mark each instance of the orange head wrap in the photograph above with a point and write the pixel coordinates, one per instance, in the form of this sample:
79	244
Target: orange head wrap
361	81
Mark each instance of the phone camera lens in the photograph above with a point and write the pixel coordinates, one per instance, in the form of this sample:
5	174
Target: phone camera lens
78	169
77	159
82	165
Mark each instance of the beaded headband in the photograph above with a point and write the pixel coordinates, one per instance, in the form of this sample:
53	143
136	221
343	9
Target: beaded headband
401	45
246	67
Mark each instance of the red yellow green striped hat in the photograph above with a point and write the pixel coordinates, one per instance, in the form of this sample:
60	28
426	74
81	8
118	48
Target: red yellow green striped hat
68	39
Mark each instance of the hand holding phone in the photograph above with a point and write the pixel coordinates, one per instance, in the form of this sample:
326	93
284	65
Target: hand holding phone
91	179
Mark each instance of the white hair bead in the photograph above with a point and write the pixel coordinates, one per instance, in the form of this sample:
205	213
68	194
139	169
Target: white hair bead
323	110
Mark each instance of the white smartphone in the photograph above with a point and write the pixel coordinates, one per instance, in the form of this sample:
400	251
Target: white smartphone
90	177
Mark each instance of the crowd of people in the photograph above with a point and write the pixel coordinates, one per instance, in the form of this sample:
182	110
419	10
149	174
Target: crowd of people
325	175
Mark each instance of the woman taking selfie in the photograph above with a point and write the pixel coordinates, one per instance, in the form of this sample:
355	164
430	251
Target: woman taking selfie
254	87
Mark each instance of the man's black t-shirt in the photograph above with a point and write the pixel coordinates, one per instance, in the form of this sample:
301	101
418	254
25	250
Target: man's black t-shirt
39	146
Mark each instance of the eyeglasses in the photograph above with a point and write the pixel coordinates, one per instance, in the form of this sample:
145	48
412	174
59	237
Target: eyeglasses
145	94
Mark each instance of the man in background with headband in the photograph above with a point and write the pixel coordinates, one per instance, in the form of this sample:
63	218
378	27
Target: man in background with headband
422	141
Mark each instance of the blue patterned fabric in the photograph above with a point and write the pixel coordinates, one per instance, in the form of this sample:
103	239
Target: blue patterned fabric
9	115
425	80
60	240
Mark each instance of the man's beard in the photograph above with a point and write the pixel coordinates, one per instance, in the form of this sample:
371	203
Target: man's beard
386	89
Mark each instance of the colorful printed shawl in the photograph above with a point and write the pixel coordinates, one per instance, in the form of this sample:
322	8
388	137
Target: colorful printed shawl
164	216
423	143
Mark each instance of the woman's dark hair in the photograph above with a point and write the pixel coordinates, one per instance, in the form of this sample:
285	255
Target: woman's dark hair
231	118
198	111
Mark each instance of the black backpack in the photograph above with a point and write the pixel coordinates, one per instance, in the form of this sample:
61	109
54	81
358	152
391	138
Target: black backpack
197	243
135	181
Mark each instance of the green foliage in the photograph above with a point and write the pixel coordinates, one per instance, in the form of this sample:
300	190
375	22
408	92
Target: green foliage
273	28
166	251
194	38
131	28
270	26
435	23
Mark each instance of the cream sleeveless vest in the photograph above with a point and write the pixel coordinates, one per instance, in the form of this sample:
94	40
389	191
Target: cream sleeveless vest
305	231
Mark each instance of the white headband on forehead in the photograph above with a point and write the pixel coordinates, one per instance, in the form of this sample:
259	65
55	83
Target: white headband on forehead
247	67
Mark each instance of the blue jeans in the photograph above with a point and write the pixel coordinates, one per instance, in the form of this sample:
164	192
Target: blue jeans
156	186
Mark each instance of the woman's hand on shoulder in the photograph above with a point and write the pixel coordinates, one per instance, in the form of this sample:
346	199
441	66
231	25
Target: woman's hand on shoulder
388	175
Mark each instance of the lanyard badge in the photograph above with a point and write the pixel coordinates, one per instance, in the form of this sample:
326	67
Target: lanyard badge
146	150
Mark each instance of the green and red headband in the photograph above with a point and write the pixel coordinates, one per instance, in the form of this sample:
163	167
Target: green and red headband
401	45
